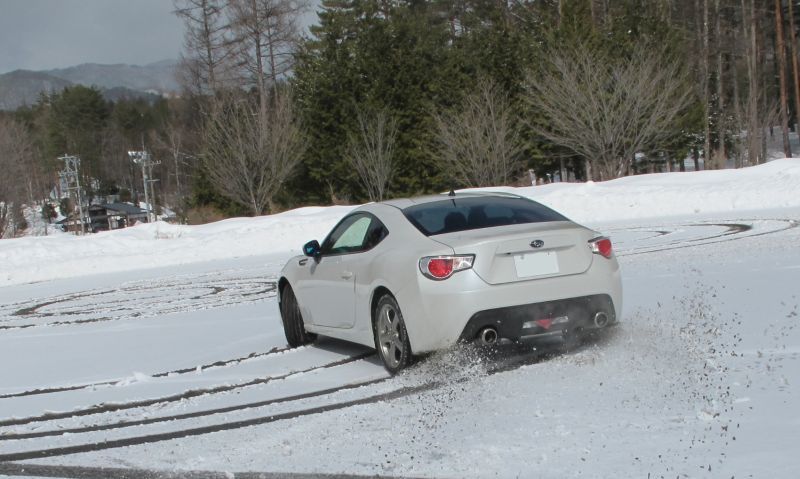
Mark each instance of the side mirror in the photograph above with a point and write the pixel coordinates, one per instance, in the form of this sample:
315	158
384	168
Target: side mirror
311	248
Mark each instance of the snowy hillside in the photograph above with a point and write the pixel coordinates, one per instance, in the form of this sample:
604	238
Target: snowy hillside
689	195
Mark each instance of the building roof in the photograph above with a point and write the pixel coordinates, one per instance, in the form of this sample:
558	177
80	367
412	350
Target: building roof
125	208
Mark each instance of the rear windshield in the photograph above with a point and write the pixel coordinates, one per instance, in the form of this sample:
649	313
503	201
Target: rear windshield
471	213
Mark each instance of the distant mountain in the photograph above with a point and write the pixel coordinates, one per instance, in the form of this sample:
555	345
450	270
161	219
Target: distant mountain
156	77
23	87
121	93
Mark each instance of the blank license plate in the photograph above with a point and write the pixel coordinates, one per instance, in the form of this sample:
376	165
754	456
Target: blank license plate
536	264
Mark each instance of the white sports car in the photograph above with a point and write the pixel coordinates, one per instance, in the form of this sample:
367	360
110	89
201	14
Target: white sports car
416	275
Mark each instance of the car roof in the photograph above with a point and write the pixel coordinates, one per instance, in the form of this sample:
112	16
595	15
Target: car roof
403	203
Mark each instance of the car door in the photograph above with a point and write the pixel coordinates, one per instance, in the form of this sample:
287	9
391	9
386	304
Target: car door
328	290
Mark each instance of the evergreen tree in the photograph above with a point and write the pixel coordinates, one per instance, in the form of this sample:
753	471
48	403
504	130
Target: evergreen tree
373	55
75	126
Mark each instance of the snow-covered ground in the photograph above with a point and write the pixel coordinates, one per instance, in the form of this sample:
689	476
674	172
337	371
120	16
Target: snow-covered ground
160	347
688	196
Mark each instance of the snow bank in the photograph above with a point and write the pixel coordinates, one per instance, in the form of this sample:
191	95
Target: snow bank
158	244
772	185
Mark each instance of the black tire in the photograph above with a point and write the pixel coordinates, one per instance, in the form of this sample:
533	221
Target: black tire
391	336
293	327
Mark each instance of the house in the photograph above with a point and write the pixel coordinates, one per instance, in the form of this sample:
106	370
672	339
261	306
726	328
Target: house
113	216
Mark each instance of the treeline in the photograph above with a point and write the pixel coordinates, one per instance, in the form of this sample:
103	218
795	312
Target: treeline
388	98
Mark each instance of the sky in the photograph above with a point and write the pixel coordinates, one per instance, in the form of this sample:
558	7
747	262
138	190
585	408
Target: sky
47	34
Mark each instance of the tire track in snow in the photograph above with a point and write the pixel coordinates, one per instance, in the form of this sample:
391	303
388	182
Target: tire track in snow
508	365
83	472
135	301
104	408
191	415
197	431
216	364
735	230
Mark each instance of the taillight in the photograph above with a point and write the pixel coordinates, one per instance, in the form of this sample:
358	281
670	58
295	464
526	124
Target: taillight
442	267
602	246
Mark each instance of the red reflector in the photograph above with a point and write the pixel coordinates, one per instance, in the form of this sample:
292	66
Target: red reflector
440	267
545	323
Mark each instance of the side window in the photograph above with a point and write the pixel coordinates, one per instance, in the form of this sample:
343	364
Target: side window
348	236
353	237
354	234
375	235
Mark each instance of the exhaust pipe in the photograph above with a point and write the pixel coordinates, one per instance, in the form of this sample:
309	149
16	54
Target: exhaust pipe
601	319
487	336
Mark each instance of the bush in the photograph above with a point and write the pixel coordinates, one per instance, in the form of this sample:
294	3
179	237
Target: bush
204	214
49	212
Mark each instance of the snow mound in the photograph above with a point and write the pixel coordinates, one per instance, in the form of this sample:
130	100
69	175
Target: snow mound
769	186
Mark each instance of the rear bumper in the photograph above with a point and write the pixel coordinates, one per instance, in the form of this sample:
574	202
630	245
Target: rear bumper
539	319
439	313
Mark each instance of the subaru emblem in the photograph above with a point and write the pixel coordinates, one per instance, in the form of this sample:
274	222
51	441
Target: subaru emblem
537	243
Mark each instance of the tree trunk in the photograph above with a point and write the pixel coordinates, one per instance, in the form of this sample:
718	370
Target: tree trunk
259	58
720	155
273	67
755	131
588	167
706	89
795	67
560	12
762	158
665	11
781	50
212	79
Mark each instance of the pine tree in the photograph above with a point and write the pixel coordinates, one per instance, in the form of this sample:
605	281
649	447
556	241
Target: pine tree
75	126
377	56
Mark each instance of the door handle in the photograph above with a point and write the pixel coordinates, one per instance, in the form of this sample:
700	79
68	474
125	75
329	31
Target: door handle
347	274
303	261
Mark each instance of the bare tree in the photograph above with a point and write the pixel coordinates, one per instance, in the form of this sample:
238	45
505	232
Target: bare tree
795	67
781	65
720	155
171	143
205	63
705	69
249	152
371	151
607	109
479	140
20	173
751	116
265	33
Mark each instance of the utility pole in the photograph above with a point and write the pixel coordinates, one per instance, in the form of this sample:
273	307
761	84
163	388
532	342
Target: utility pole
152	180
144	159
72	178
